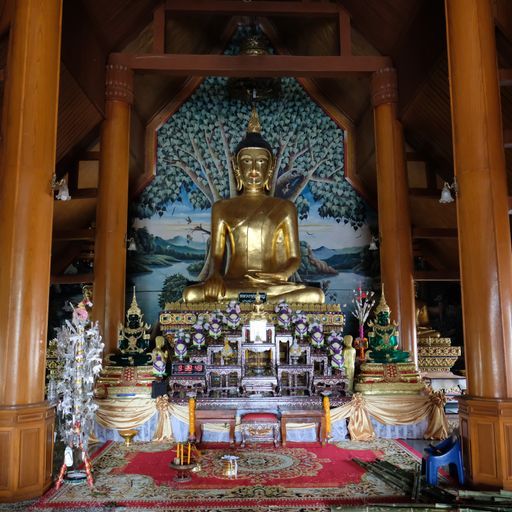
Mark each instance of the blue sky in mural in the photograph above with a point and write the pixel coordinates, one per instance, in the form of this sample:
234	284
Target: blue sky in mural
193	168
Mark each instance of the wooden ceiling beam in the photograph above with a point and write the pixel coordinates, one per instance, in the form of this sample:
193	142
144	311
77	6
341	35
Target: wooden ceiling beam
159	29
345	33
251	65
436	275
434	233
260	8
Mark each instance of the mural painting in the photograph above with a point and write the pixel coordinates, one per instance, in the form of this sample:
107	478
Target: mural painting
171	218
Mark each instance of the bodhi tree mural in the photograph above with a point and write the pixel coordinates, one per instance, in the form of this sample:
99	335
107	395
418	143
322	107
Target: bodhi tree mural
194	154
194	169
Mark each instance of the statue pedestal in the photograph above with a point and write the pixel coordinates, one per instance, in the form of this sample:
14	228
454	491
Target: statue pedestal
388	378
124	381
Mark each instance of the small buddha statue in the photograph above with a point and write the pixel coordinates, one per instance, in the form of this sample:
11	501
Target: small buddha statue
383	336
227	353
349	359
254	237
423	327
133	339
159	356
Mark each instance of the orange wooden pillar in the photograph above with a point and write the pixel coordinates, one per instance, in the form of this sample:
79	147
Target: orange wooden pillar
29	128
484	241
112	207
396	263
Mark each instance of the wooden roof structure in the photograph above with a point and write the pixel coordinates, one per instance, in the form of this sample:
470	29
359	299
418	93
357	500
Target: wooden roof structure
318	39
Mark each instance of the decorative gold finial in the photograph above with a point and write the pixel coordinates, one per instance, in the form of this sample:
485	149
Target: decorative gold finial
254	125
134	307
382	305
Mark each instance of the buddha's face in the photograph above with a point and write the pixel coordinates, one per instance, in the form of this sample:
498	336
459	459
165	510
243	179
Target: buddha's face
254	168
383	318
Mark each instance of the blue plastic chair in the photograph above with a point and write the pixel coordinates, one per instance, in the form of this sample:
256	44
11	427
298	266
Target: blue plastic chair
446	453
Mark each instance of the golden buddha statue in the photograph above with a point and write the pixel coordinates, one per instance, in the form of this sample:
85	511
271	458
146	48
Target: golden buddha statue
423	326
254	237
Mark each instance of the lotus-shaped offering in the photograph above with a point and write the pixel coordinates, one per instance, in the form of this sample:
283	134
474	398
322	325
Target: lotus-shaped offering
198	339
317	335
232	317
284	314
214	328
337	361
180	350
335	348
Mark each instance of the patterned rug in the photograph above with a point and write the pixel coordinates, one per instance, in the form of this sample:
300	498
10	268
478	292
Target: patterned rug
297	477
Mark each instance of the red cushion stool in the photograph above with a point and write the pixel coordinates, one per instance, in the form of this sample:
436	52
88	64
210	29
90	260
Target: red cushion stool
259	427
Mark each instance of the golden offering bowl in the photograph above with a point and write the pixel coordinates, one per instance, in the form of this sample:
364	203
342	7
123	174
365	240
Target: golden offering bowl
128	436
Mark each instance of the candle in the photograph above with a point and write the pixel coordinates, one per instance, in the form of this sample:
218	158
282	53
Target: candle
192	417
327	411
188	455
181	453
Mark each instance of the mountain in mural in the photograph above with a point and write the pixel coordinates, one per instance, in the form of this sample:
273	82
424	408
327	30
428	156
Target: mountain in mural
348	258
178	248
324	252
181	241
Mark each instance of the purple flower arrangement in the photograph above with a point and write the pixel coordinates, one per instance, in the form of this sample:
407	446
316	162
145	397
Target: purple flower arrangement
198	335
300	322
214	326
335	343
232	317
180	344
316	334
337	361
180	350
284	314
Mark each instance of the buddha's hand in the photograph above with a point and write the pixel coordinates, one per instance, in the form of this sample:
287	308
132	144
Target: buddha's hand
268	277
214	287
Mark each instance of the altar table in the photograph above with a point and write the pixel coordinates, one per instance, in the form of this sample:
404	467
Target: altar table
223	416
310	416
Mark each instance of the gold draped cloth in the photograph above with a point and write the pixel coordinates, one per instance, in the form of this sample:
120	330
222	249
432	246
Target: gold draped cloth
127	414
393	410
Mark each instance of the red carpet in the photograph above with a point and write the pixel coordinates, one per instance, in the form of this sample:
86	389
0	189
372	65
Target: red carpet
297	477
311	464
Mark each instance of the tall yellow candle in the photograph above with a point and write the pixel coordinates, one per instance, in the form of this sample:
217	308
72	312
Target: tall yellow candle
188	455
192	417
327	410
